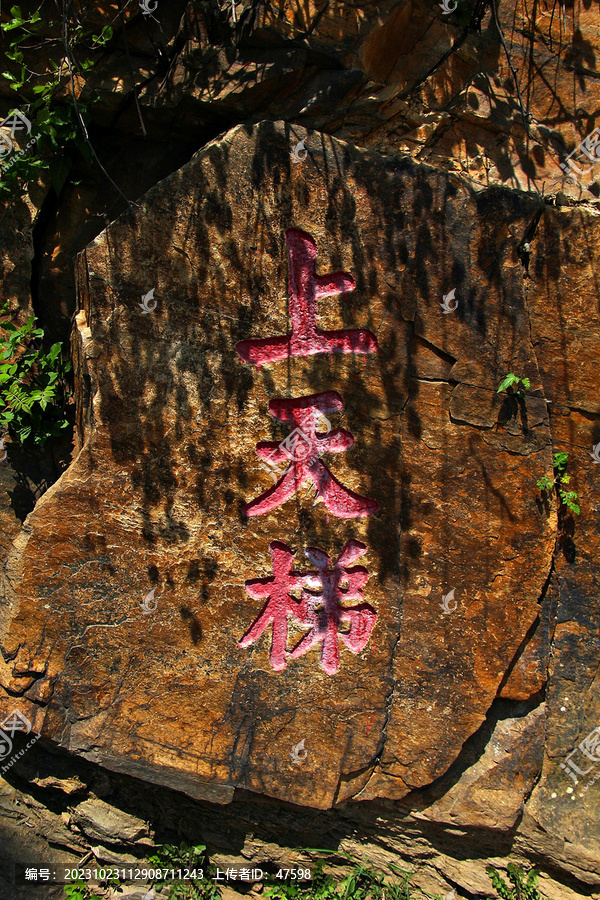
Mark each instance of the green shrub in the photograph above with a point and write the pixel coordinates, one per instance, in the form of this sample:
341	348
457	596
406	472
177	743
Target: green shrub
523	885
32	386
567	498
361	884
57	134
186	856
78	890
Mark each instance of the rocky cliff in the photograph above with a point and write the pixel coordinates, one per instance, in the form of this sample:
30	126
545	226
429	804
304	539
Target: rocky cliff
297	585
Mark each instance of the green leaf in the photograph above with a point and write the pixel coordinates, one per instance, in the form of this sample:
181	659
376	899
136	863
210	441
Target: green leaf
507	381
560	460
526	383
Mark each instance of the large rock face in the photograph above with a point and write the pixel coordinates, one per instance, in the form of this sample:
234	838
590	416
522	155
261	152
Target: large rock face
127	631
442	716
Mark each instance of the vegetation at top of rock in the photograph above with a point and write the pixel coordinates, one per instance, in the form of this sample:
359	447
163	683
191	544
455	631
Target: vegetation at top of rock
512	381
58	121
523	884
567	498
33	393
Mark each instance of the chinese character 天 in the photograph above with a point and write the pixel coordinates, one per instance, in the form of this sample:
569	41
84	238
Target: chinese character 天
305	446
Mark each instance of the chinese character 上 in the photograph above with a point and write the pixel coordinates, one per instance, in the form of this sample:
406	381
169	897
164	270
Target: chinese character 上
305	287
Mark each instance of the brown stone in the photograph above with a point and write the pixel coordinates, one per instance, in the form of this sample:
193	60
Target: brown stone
562	817
489	794
153	501
101	821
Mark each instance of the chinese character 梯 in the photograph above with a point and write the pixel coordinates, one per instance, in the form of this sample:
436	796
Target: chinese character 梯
319	606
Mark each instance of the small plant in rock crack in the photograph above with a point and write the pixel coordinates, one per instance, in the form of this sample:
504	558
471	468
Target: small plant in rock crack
523	885
567	498
79	890
511	382
33	393
186	856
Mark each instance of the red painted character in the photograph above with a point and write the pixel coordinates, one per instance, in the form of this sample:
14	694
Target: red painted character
304	446
325	611
319	606
304	289
276	590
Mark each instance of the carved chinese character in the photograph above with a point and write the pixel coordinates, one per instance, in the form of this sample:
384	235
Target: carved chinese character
277	591
304	447
305	287
319	606
325	610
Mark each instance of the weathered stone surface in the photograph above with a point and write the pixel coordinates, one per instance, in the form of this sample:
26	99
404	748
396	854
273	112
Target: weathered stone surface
101	821
490	793
402	78
253	830
528	673
393	77
154	499
66	785
397	77
561	817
